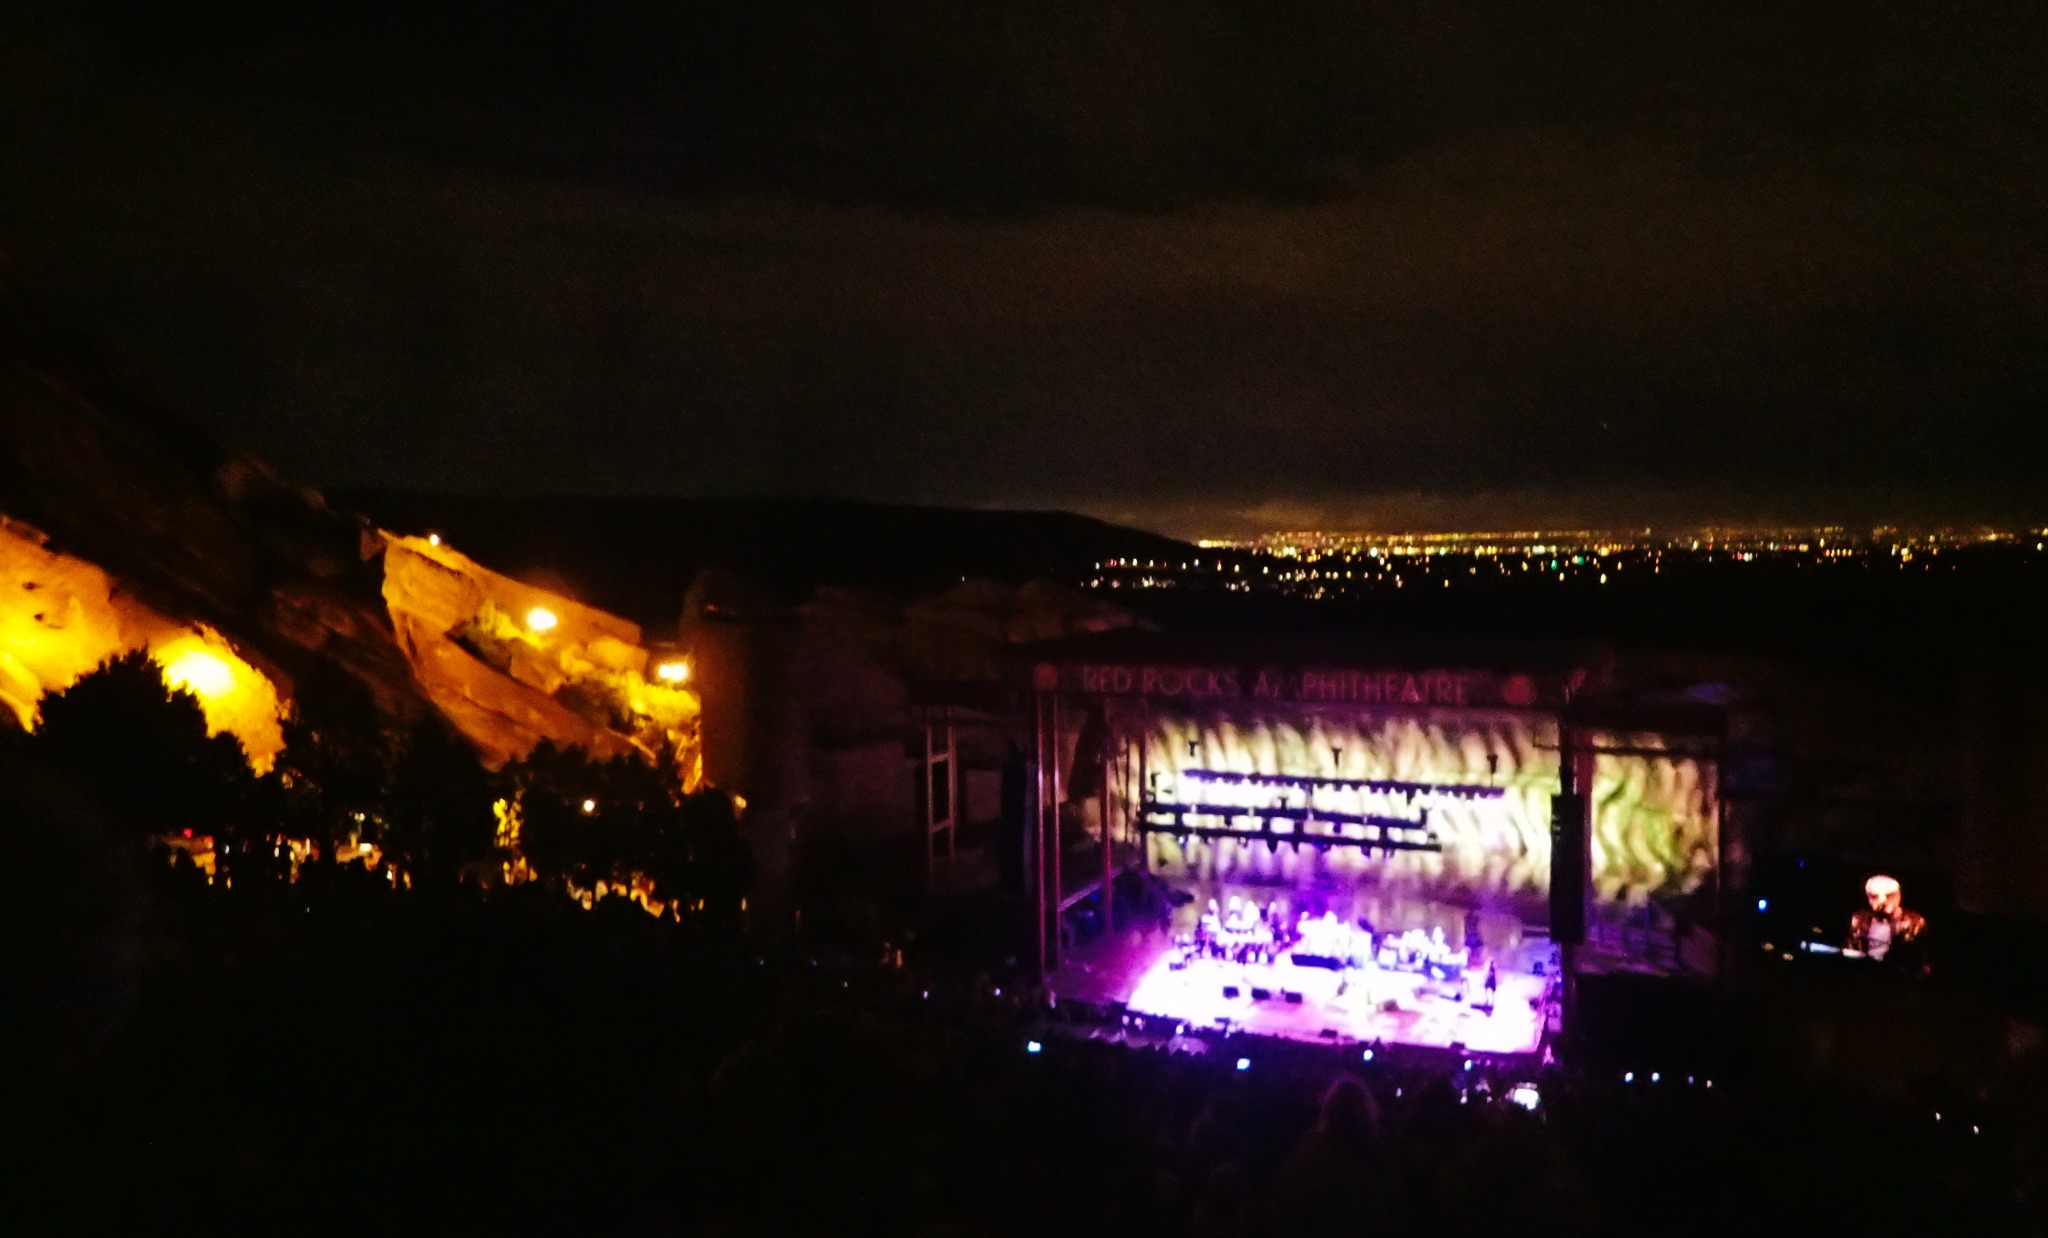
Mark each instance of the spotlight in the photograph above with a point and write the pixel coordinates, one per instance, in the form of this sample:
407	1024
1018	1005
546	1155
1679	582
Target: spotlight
200	673
1032	1046
589	807
1368	1055
541	619
1655	1077
674	671
1244	1063
1630	1077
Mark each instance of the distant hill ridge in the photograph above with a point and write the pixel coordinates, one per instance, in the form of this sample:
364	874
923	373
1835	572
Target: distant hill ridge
636	557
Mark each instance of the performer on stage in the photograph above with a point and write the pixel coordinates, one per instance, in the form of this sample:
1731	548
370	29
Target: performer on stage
1886	924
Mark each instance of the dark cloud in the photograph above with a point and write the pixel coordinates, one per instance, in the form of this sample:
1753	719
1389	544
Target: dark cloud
1156	259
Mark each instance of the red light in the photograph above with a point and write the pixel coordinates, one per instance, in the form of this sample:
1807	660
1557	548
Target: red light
188	833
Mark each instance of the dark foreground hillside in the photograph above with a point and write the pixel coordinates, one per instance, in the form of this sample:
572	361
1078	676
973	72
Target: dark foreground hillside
332	1055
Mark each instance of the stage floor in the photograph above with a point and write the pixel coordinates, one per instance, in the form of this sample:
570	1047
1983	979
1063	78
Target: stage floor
1362	1005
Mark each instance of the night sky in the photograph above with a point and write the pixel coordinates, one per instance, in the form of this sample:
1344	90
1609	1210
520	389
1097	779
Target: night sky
1198	264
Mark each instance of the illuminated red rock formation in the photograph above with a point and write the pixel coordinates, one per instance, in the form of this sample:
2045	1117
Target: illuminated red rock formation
61	616
511	664
133	529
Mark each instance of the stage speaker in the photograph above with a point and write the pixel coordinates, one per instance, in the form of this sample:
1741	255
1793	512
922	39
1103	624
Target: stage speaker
1230	992
1261	995
1570	859
1293	998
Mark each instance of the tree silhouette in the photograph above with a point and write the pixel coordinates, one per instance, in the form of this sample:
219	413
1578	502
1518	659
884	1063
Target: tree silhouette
695	855
436	814
579	819
585	821
140	749
335	771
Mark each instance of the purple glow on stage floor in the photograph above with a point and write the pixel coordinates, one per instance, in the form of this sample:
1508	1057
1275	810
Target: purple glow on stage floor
1360	1005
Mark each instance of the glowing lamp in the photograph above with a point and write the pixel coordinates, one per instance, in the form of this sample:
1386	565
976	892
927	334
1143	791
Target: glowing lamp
589	806
433	539
677	671
200	673
541	619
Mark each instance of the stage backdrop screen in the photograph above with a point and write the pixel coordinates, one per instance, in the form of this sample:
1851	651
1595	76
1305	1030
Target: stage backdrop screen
1654	828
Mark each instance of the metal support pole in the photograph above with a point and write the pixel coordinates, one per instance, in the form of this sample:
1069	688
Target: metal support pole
1108	843
937	780
1053	817
1038	799
1575	870
1722	949
931	809
1137	804
954	785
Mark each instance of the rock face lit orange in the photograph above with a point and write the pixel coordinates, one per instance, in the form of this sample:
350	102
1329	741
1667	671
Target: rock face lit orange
508	664
511	664
61	616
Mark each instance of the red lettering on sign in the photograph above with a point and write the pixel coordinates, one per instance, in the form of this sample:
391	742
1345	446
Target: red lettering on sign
1324	686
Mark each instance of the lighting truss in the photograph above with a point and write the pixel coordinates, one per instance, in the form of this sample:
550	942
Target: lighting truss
1375	786
1384	833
